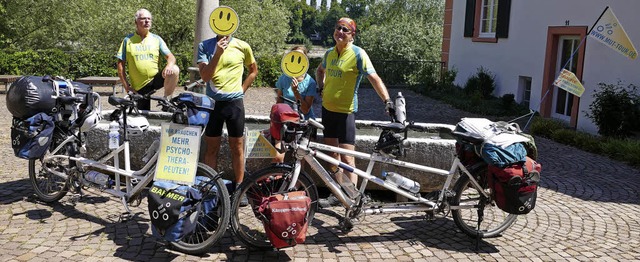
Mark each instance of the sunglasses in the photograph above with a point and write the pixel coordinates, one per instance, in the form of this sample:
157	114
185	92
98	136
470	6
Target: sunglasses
344	29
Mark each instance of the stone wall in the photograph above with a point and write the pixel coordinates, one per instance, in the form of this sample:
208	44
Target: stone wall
438	153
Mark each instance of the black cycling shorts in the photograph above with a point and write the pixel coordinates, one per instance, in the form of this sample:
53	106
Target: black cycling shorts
229	112
155	84
339	125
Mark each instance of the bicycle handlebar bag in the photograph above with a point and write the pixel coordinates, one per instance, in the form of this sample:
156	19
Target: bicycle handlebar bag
285	218
281	113
199	107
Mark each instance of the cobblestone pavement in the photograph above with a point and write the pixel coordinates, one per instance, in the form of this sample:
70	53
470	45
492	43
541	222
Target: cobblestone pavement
587	210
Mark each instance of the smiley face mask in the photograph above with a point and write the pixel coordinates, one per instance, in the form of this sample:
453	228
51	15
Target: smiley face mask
224	21
294	64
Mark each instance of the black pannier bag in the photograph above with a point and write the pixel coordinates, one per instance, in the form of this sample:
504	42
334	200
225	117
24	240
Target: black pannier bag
30	95
31	138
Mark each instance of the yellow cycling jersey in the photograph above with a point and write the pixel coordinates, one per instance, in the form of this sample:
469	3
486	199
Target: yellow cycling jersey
142	56
226	83
343	73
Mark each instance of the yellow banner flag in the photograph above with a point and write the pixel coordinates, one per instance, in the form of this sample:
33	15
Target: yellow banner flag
610	32
258	146
569	82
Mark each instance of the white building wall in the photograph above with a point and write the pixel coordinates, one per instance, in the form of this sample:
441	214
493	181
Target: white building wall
523	52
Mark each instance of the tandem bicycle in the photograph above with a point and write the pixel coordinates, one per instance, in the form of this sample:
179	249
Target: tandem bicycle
65	168
465	193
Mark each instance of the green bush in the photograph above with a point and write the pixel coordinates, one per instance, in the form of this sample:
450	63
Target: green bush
508	101
86	63
483	82
268	70
564	136
588	142
448	77
30	62
615	110
545	127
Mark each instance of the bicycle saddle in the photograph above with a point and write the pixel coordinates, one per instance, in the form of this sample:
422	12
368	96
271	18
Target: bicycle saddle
119	101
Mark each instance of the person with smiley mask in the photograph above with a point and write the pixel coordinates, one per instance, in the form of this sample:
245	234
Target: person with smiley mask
221	63
338	77
301	89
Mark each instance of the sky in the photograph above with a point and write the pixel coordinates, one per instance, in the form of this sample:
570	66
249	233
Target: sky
319	1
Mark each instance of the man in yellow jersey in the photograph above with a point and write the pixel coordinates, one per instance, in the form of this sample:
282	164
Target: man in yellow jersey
221	62
140	52
338	78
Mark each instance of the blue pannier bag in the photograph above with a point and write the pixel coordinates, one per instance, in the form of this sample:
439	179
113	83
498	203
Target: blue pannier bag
30	138
199	107
176	210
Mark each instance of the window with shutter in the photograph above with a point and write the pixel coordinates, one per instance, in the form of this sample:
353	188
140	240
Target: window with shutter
487	20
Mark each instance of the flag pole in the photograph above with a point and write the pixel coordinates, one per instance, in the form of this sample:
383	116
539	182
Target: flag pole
597	20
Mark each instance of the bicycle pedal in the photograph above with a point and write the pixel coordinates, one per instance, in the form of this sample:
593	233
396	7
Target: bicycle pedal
125	216
430	216
346	225
73	199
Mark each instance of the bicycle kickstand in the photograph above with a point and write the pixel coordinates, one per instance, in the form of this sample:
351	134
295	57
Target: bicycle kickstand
127	215
478	235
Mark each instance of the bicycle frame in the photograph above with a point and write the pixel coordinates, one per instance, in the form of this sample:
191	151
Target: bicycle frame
144	175
311	152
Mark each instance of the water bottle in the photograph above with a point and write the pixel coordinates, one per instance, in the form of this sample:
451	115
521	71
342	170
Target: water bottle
97	178
114	135
401	181
401	110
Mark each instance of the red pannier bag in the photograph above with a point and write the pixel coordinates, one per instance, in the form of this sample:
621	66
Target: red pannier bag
285	218
515	186
281	113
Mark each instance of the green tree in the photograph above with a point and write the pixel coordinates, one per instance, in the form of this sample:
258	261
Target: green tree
97	25
3	24
328	23
295	23
403	29
264	25
358	9
302	22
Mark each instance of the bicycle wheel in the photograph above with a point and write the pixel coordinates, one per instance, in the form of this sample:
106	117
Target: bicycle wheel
466	218
47	186
211	226
265	182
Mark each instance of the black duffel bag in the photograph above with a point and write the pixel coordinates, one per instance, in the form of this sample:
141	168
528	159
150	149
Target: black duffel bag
30	95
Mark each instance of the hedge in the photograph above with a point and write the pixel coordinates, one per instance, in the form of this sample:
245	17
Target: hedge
75	65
